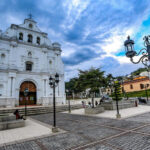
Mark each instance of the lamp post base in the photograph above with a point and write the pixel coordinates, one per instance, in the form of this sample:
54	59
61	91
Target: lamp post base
55	129
118	116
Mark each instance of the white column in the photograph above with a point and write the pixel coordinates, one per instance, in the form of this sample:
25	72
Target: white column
11	86
44	87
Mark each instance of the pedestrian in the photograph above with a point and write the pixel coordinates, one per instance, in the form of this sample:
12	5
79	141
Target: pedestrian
18	116
96	103
83	105
89	104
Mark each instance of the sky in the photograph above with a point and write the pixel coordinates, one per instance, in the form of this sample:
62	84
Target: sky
91	32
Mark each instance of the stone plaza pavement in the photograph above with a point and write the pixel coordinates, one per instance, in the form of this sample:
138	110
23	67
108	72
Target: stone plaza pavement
125	113
90	133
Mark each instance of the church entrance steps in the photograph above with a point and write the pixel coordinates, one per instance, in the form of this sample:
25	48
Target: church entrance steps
35	110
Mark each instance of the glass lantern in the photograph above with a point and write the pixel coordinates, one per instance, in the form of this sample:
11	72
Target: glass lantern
57	77
129	47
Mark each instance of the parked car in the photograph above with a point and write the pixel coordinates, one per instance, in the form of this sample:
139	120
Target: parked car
142	100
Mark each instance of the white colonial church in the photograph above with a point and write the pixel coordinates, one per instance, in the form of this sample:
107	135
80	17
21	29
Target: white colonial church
27	59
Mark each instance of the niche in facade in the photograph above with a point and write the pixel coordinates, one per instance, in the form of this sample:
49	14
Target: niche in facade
1	89
29	54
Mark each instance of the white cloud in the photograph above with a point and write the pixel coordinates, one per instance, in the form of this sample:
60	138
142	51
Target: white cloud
74	9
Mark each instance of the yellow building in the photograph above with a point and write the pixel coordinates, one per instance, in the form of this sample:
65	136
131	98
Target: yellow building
137	84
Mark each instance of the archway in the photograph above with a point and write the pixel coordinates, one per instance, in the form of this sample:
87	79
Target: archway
31	97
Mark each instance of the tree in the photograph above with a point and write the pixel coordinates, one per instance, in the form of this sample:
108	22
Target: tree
117	91
91	79
71	85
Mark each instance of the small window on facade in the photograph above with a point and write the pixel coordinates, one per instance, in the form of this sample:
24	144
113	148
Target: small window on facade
38	40
30	26
30	38
21	36
28	66
131	86
50	62
141	86
2	58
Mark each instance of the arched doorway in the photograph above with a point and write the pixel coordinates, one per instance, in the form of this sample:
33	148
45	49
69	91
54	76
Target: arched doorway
31	97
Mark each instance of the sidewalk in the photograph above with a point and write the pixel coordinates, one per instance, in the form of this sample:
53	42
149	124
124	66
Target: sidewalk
125	113
33	129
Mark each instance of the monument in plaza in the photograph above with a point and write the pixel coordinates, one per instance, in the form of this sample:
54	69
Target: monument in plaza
27	59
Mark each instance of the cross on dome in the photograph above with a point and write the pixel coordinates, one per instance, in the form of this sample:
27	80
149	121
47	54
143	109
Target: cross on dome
30	16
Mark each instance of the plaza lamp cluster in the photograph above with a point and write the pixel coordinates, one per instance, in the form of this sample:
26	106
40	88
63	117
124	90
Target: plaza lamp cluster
53	82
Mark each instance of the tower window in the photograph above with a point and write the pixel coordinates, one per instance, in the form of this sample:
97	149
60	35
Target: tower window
30	38
38	40
28	66
21	36
30	26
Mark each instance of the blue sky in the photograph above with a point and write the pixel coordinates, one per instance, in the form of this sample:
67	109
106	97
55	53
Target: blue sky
91	32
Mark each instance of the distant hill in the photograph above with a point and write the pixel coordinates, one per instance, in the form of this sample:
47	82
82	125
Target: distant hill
138	71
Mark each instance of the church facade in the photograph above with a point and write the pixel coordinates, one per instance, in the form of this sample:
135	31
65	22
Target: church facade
27	60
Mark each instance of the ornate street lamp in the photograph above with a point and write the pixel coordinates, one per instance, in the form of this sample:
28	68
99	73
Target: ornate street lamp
53	82
26	91
69	107
146	86
130	52
116	94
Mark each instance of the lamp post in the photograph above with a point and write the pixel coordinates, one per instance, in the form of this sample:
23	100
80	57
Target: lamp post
69	107
130	52
146	86
26	91
53	82
117	96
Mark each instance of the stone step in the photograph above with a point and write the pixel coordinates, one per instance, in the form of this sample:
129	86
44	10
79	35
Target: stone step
39	110
12	124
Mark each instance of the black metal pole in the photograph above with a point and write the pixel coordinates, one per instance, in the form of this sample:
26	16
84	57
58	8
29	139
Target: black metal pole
69	106
54	109
117	102
25	106
146	94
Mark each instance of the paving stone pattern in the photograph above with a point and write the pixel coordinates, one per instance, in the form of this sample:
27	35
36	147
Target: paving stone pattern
91	133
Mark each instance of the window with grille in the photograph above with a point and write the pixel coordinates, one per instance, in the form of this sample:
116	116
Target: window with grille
28	66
